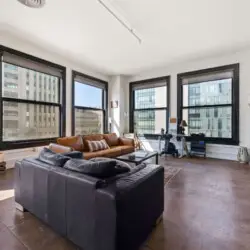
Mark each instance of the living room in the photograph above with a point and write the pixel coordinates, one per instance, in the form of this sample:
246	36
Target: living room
132	82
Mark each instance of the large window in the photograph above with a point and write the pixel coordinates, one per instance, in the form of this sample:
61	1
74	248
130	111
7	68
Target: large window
209	103
149	106
89	105
31	100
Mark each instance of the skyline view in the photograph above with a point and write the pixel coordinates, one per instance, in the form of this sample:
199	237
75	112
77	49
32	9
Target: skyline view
87	95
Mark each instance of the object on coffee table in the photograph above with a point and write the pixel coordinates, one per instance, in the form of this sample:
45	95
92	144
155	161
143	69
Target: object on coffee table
131	157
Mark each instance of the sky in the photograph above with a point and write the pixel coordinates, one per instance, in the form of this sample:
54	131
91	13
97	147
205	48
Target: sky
87	96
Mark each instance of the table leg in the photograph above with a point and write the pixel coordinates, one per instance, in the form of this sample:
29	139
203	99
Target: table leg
157	159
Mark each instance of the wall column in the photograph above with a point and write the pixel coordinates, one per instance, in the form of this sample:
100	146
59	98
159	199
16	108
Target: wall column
118	91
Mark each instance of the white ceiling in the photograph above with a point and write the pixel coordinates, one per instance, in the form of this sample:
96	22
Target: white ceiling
172	30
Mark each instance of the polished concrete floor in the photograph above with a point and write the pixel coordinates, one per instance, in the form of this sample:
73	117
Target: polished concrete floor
207	207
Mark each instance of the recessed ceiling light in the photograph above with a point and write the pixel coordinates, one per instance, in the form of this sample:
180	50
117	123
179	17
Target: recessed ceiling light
33	3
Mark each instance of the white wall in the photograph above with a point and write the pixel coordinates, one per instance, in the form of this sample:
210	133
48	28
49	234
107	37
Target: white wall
118	91
16	43
242	57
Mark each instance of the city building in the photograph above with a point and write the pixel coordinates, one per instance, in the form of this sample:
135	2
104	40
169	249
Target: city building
212	120
22	121
88	122
148	119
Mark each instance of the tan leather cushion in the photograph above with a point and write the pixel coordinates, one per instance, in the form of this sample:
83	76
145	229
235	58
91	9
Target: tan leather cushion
116	151
59	148
127	141
74	142
125	149
94	137
89	155
112	152
111	139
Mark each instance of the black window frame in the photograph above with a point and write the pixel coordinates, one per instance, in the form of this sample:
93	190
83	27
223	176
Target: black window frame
235	68
132	103
8	145
104	100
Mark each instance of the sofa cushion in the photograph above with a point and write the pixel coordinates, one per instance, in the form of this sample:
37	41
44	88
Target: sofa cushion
125	149
48	156
94	137
97	145
100	169
89	155
126	142
111	139
115	151
74	142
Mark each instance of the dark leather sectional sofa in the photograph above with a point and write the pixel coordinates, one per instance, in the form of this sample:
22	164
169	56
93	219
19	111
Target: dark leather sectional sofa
116	216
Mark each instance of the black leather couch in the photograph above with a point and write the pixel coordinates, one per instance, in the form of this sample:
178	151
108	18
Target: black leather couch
116	216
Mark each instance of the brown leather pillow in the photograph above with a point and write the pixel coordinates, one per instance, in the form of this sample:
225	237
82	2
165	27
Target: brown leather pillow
111	139
74	142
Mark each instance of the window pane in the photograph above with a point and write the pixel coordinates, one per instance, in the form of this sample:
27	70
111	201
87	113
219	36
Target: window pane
88	121
22	121
88	96
28	84
149	121
213	122
208	93
151	98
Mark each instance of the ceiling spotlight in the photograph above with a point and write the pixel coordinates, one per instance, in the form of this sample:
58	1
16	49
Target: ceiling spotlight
33	3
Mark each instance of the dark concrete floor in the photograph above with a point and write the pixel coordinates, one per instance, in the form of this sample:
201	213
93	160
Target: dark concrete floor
207	207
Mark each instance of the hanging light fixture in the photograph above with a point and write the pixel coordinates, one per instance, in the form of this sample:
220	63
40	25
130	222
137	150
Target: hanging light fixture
121	20
33	3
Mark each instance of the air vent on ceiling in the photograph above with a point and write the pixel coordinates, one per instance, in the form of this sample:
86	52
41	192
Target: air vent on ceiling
33	3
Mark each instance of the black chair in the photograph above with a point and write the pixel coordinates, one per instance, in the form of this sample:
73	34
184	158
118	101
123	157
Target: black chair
198	145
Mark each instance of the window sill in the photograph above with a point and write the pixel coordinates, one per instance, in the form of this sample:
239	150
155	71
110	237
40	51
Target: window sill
8	145
222	141
212	140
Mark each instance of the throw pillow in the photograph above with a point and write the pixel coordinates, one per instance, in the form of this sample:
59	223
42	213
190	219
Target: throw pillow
74	154
56	148
52	158
97	145
120	168
101	169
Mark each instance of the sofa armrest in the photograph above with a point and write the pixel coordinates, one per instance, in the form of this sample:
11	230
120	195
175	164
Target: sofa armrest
140	202
126	141
142	173
57	148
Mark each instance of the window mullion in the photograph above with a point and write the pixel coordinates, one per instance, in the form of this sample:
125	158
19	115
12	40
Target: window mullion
207	106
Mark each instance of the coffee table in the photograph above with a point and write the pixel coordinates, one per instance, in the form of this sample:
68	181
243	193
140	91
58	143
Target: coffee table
138	157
